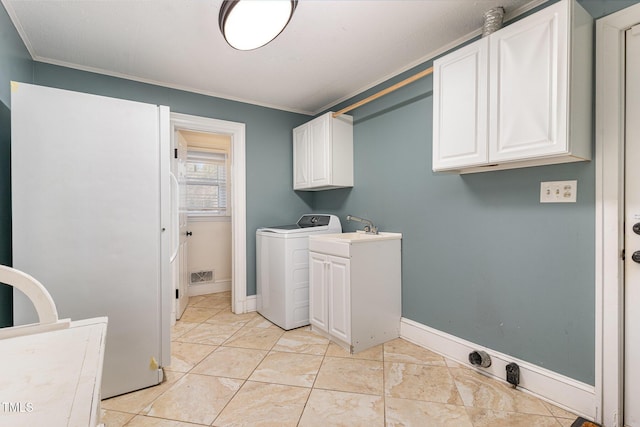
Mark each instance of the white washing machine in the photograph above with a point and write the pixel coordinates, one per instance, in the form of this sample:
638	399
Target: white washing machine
282	268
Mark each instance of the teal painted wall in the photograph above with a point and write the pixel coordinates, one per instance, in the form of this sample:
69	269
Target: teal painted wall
600	8
269	142
15	64
269	153
482	258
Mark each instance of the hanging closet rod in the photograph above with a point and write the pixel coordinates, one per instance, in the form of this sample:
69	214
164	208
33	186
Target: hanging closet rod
383	92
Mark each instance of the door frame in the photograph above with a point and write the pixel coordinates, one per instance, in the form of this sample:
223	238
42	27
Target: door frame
238	196
609	155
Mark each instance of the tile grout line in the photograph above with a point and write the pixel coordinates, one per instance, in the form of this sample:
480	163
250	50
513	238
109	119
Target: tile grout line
455	383
194	366
183	374
295	349
324	355
245	380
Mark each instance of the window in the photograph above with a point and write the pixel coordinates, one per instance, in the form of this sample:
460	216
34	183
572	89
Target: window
206	181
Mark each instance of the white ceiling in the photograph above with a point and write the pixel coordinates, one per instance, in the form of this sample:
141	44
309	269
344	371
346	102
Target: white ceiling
331	50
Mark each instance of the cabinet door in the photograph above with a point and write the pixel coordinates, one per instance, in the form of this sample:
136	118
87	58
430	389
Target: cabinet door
318	310
460	128
301	177
528	80
320	147
339	294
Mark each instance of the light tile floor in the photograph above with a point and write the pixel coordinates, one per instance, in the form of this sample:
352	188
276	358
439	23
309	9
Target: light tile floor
241	370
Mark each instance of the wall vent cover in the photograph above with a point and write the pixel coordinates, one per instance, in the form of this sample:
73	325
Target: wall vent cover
201	277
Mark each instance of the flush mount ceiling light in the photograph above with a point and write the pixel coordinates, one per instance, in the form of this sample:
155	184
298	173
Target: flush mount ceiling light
250	24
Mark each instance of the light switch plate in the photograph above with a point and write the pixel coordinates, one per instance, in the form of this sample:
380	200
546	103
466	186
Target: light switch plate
558	191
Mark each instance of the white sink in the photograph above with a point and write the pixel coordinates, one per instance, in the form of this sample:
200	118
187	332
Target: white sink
359	236
342	244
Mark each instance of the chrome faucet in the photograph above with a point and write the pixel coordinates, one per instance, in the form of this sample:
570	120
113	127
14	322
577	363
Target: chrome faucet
368	225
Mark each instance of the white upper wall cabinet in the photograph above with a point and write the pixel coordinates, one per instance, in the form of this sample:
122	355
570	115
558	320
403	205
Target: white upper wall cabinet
301	178
323	153
528	66
460	107
528	104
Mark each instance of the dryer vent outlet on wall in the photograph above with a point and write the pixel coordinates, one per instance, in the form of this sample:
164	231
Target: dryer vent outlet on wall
480	358
201	277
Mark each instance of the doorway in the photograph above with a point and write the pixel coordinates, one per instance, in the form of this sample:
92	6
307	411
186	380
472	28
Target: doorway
616	324
632	230
236	196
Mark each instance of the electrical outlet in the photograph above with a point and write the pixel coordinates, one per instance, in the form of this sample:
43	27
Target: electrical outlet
558	191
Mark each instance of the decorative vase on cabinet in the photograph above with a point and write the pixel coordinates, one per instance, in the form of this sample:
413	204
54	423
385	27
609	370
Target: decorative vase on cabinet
323	153
519	97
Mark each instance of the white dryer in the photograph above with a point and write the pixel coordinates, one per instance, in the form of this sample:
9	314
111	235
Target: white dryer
282	268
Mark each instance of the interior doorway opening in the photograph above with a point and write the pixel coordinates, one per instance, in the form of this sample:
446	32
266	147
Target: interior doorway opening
202	162
216	224
610	211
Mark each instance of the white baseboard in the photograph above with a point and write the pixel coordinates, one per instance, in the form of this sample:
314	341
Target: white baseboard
555	388
246	305
209	288
252	303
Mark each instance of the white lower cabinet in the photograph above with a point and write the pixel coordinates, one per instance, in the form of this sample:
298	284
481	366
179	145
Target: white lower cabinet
354	290
330	302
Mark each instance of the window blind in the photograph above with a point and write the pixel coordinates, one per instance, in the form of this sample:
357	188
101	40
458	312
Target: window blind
206	183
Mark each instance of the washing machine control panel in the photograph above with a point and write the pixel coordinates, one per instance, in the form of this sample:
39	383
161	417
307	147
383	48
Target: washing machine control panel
313	221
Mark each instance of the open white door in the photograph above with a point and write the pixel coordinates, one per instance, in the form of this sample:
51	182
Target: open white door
180	263
632	231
